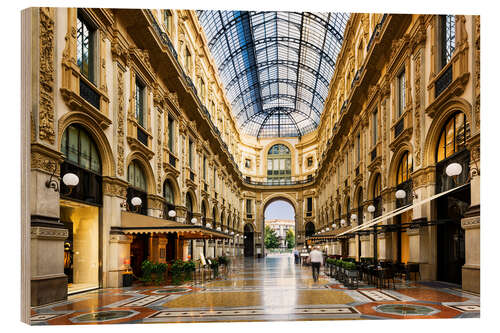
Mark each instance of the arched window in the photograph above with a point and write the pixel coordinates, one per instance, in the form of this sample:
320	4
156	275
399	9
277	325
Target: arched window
79	149
214	217
168	194
377	199
405	168
377	187
310	229
81	158
279	164
348	210
453	136
136	177
360	206
137	186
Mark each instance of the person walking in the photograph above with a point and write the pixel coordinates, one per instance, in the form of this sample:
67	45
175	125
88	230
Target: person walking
316	258
296	255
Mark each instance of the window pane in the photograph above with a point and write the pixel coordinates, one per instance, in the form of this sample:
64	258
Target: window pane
94	159
84	151
73	144
450	139
441	148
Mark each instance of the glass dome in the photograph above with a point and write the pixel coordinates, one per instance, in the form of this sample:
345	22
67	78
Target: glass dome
276	66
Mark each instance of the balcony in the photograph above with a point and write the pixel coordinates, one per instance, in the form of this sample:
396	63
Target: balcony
280	182
89	94
402	129
170	162
443	81
139	139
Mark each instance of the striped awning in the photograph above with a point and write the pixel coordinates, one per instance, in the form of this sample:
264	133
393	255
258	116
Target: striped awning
133	223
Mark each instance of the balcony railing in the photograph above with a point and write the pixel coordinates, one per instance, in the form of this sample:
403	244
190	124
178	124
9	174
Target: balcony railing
171	160
373	154
443	81
399	127
89	94
281	182
142	136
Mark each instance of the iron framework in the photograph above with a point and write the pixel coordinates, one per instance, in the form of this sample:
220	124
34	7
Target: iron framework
276	66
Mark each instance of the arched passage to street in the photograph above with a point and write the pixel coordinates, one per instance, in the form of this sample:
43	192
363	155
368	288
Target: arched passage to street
279	216
248	237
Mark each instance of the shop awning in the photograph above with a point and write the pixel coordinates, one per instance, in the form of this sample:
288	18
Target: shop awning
133	223
344	231
398	211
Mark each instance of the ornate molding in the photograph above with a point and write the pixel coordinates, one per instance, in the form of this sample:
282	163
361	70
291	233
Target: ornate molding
46	125
49	233
114	187
43	158
120	131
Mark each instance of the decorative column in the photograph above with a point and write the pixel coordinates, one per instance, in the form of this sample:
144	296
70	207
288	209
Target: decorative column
471	223
115	245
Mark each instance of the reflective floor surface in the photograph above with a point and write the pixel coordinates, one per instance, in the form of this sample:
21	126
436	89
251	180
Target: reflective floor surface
270	289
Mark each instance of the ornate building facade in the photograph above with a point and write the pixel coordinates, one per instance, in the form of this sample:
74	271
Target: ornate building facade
132	101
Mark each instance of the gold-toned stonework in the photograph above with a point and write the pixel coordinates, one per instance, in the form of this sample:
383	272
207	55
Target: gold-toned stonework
120	126
46	76
114	187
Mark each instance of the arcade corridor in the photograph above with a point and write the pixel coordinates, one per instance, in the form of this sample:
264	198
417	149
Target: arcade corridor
268	289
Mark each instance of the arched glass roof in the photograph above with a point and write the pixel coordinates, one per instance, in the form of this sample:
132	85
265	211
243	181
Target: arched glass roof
276	66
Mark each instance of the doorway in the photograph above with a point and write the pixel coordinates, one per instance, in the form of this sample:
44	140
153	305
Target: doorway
139	251
81	248
450	235
248	241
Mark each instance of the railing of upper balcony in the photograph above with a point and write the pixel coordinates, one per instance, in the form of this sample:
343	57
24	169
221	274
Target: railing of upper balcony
376	32
166	40
281	182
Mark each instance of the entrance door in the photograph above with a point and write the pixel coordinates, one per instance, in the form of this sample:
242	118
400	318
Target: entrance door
450	235
171	246
139	251
248	251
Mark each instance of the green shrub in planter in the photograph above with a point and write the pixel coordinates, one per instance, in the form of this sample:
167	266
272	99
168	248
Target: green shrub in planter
214	265
153	272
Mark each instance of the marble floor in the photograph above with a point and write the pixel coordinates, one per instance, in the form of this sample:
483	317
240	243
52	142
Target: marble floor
270	289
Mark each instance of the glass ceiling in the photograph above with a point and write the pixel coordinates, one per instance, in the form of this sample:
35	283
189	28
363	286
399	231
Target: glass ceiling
276	66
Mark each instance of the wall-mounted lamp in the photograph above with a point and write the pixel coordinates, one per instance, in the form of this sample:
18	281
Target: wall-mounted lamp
218	229
354	217
371	208
334	226
455	169
172	213
194	220
401	194
342	223
327	229
232	233
226	231
208	225
136	203
70	180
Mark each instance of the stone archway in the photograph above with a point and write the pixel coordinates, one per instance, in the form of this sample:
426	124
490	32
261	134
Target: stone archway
280	197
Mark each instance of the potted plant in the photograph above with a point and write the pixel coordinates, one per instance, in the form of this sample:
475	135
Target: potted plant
352	273
214	265
188	268
153	272
177	269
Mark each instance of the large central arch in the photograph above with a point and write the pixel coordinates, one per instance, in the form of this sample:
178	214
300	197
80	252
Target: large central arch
273	198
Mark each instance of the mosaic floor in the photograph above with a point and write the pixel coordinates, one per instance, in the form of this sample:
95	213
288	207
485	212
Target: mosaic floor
270	289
